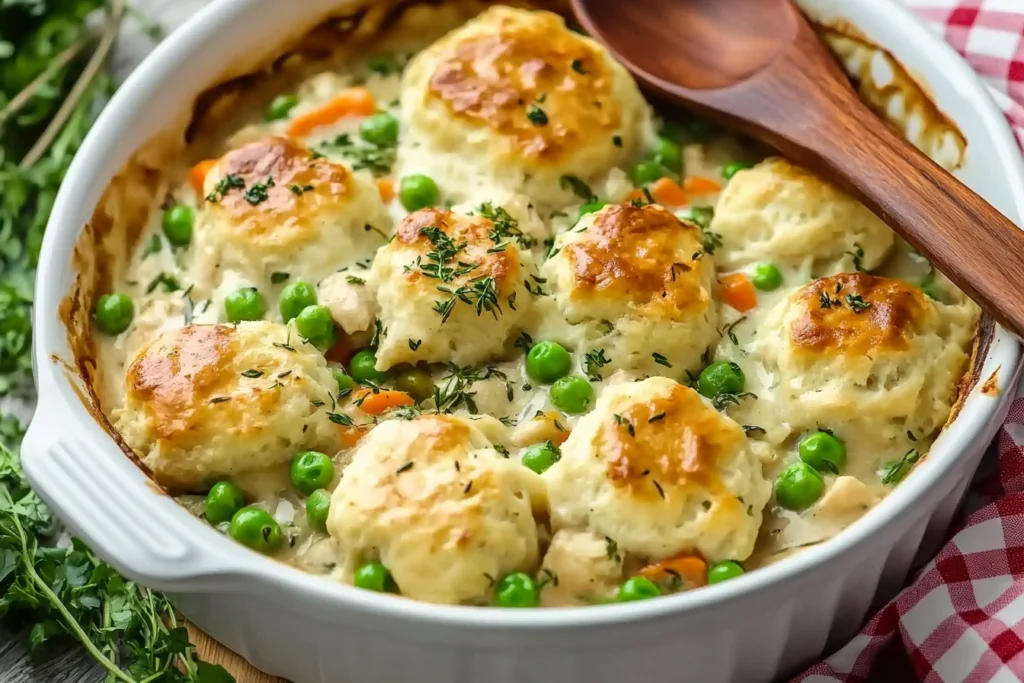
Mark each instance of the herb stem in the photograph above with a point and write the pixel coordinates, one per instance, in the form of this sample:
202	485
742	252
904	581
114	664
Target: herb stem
69	621
89	73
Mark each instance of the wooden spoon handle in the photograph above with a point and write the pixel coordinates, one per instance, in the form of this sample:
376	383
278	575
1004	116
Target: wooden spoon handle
967	239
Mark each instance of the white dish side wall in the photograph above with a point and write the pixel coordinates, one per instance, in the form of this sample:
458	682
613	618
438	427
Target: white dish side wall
766	624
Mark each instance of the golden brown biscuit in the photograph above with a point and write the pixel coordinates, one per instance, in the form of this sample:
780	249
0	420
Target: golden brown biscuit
857	313
855	349
636	282
521	100
434	502
207	402
780	213
274	205
658	470
450	287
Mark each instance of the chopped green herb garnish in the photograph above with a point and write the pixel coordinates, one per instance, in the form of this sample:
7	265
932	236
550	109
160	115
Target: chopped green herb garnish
894	472
505	226
592	362
536	115
730	330
578	187
857	303
154	246
858	257
258	193
231	181
165	280
340	419
611	550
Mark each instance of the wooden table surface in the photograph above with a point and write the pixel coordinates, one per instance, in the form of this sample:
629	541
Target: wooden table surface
72	665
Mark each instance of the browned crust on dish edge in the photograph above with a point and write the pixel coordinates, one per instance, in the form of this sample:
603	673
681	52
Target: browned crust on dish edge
105	244
936	127
991	385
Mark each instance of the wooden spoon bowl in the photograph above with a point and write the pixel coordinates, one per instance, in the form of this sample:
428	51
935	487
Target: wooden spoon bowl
758	66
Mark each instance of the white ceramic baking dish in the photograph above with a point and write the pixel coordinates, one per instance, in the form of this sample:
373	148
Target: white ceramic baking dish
762	626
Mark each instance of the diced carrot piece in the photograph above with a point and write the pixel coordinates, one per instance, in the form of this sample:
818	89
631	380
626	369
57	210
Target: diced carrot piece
197	175
342	351
738	292
351	102
667	192
387	189
561	437
690	568
350	435
701	185
377	403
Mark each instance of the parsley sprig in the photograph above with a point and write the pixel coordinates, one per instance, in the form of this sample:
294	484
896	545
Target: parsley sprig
133	633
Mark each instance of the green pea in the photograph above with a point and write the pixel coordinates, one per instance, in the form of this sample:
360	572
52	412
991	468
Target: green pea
222	502
280	107
381	129
244	304
547	361
690	130
311	470
823	452
177	225
701	215
721	377
415	382
345	382
294	298
647	172
317	506
114	313
932	289
254	527
418	191
799	486
540	457
591	207
572	394
373	576
315	323
734	167
637	588
516	590
766	277
667	153
723	571
363	368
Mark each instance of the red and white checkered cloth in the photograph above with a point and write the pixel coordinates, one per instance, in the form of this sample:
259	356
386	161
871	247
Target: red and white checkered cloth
962	619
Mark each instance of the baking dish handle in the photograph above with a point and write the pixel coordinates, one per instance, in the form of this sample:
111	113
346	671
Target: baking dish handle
127	520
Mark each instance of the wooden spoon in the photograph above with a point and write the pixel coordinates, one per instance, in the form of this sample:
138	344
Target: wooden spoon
758	66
